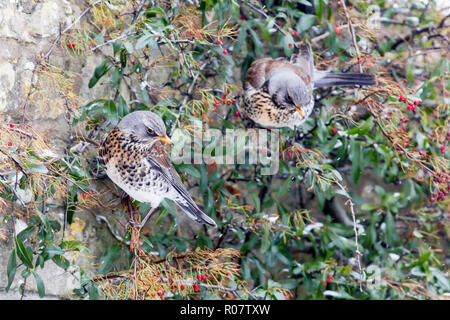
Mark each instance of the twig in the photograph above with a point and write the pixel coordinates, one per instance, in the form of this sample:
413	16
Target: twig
138	12
419	31
383	131
100	219
355	230
68	28
352	31
261	12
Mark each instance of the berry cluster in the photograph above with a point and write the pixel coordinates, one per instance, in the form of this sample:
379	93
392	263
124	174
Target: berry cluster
85	195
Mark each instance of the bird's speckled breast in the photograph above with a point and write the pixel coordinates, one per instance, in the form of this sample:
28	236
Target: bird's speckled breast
125	164
261	108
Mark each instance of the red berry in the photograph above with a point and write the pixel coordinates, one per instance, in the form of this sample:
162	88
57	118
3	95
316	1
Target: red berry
237	114
289	154
225	52
195	286
416	102
91	192
11	125
330	3
336	29
431	199
219	42
339	3
182	287
228	102
403	128
324	283
84	195
9	144
133	62
333	131
442	149
290	45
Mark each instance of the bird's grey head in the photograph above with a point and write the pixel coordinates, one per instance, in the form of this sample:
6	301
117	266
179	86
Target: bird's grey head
288	88
146	125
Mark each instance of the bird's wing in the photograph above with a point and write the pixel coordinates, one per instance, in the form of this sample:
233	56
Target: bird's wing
304	59
164	167
261	70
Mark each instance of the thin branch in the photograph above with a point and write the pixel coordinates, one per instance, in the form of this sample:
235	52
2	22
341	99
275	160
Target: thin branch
68	28
352	31
355	230
418	31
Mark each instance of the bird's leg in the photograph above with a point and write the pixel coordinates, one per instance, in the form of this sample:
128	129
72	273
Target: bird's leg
142	223
125	199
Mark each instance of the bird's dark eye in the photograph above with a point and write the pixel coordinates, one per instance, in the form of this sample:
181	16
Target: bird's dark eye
289	99
151	132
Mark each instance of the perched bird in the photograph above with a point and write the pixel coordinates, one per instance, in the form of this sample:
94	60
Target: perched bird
134	157
279	92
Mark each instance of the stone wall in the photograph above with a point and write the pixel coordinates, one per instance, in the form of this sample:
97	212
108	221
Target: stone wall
28	29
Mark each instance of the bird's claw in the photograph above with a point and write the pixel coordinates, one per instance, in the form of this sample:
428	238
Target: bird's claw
135	224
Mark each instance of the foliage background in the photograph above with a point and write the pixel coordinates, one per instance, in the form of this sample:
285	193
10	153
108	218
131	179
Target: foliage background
370	164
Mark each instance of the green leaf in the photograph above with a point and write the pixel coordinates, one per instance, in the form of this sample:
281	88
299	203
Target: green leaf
93	292
305	22
99	72
107	260
25	233
61	261
24	254
391	233
265	242
190	169
304	2
122	108
356	158
39	284
50	252
123	58
117	77
423	258
11	268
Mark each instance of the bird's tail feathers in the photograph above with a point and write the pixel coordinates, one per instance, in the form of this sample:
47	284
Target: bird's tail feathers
328	79
194	212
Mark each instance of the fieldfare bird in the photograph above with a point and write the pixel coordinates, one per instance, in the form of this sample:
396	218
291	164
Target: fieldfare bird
279	92
134	157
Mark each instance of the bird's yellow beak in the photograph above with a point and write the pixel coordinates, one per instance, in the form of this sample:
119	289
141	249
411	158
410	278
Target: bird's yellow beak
166	140
299	110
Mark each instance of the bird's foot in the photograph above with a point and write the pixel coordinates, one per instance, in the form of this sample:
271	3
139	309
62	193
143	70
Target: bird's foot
134	224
